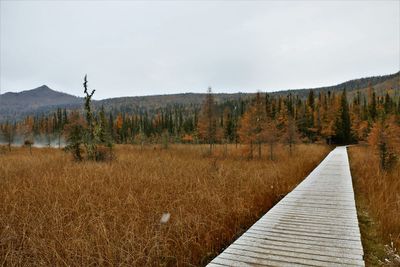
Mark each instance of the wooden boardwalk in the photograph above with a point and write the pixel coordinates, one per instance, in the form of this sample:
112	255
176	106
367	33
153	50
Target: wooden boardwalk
314	225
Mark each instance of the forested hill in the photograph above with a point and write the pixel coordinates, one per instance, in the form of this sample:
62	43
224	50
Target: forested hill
14	106
42	100
140	103
379	83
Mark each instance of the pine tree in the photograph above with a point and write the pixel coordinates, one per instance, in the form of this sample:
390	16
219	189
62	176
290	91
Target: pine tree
103	130
228	125
91	133
372	105
89	136
311	100
343	124
75	131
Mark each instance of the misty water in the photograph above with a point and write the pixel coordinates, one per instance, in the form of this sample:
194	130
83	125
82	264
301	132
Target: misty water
37	142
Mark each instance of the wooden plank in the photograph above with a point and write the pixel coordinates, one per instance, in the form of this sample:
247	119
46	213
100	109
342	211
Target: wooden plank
309	230
288	259
286	239
314	225
303	257
303	234
306	248
309	225
262	232
317	214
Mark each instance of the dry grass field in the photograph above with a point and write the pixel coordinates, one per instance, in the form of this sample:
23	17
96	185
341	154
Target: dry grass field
378	202
57	212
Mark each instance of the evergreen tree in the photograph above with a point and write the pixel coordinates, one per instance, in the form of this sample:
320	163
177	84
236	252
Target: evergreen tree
343	123
89	136
372	106
103	130
75	131
91	133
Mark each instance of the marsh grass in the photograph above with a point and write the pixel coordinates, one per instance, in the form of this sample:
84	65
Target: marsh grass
378	202
56	212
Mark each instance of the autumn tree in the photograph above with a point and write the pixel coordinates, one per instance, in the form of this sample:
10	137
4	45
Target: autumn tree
290	135
253	125
328	113
385	138
307	121
8	133
271	136
246	133
207	123
316	114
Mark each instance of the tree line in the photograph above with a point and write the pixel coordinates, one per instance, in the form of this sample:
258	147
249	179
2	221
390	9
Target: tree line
331	117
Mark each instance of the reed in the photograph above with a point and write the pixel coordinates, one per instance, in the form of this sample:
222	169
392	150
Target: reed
55	212
378	193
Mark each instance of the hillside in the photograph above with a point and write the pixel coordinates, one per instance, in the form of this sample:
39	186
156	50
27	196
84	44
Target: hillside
151	103
14	106
135	104
378	82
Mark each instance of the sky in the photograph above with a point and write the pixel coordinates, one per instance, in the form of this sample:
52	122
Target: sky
130	48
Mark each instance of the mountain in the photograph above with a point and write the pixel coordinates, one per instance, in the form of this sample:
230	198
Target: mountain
150	103
379	83
154	102
15	106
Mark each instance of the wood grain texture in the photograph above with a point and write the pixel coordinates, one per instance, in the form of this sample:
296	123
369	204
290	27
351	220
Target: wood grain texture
314	225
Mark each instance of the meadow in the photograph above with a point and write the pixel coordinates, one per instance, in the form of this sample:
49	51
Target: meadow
378	204
57	212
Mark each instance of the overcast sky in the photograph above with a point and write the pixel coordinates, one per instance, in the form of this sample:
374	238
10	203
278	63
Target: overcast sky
132	48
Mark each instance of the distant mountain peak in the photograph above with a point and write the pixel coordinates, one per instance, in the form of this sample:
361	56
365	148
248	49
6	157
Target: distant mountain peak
35	101
43	99
43	87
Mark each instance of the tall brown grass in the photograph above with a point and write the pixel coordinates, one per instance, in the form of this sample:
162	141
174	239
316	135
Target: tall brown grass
379	191
54	211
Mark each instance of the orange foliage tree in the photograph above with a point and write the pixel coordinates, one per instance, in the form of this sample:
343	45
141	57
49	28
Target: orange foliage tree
385	137
253	125
207	123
